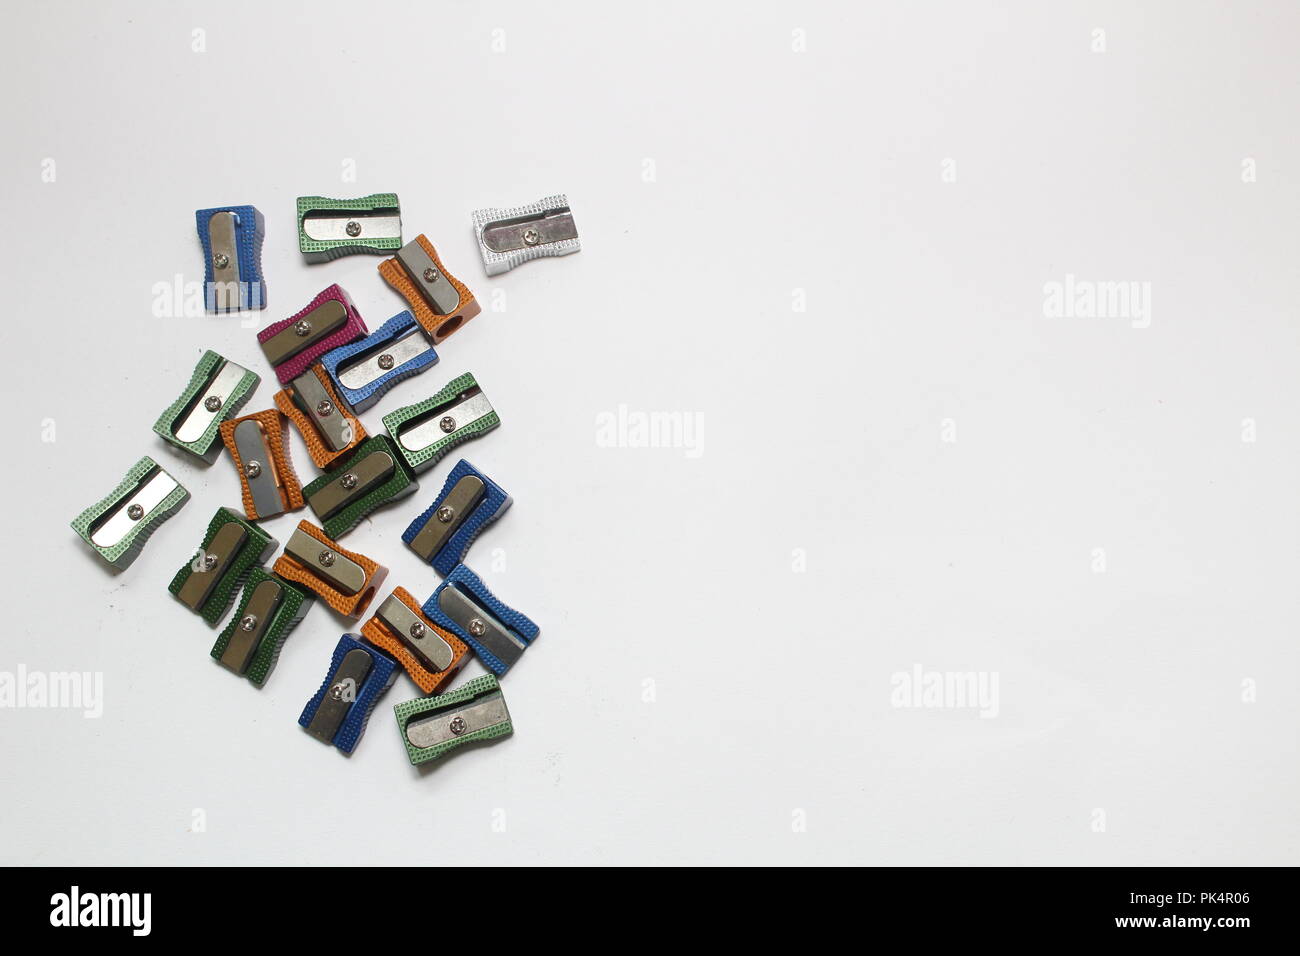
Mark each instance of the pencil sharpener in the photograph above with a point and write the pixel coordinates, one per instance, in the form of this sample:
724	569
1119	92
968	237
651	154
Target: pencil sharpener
345	580
431	655
292	345
269	609
510	237
364	371
232	258
357	677
327	425
329	228
117	526
468	503
231	548
374	476
424	432
216	392
432	727
498	634
439	300
259	448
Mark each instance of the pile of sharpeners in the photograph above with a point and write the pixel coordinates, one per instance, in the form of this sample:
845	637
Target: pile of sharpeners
330	367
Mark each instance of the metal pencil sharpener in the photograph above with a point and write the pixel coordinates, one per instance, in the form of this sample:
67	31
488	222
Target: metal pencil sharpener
207	583
232	258
468	503
345	580
329	228
497	632
269	609
510	237
363	371
424	432
373	477
431	655
440	301
217	390
357	677
432	727
117	526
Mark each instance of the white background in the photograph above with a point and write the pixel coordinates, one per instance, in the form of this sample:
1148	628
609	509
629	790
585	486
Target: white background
792	148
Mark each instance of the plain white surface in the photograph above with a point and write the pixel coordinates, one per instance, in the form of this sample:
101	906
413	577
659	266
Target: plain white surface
771	736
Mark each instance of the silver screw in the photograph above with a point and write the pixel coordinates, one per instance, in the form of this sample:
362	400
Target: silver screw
326	558
532	237
325	409
209	562
302	327
354	228
477	627
445	514
417	631
253	469
385	361
458	726
221	260
448	424
430	275
135	512
212	403
348	481
337	691
248	622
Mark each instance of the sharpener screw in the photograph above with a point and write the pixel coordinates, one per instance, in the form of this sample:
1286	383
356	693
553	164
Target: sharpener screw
221	260
458	726
354	228
301	327
135	512
417	630
477	627
253	469
445	514
348	481
447	424
212	403
385	361
430	275
248	622
326	558
325	409
532	237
